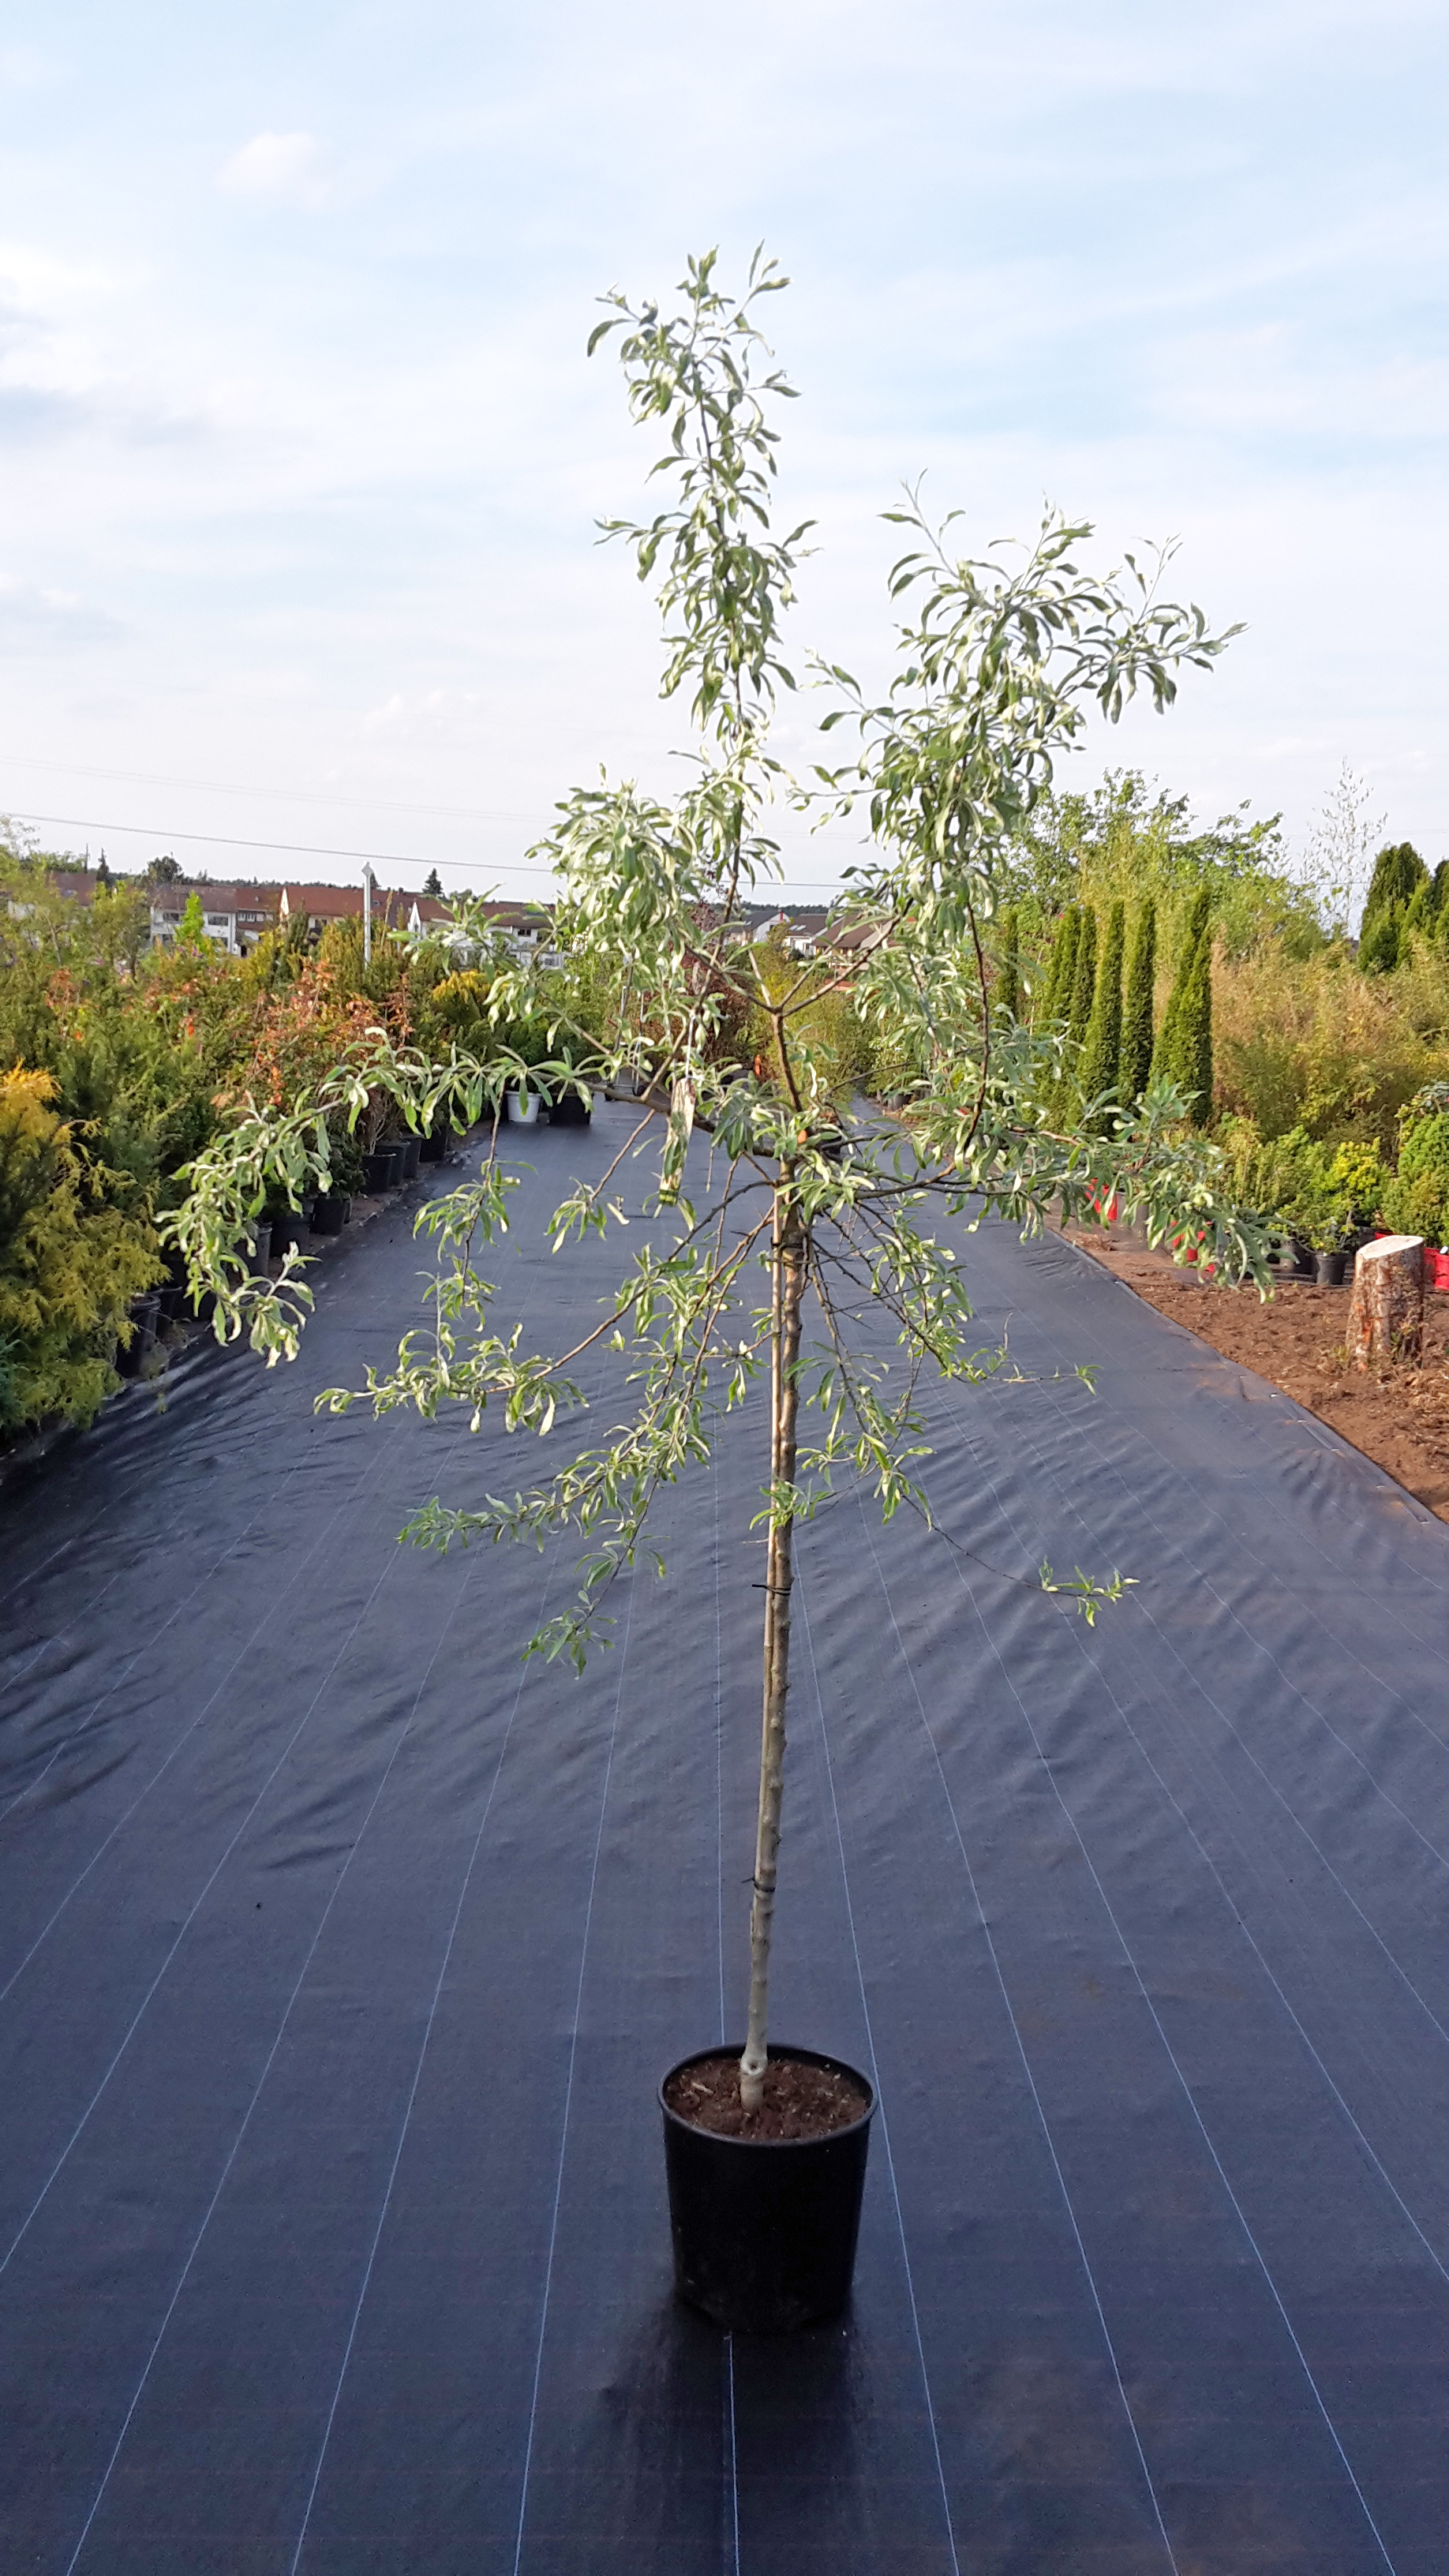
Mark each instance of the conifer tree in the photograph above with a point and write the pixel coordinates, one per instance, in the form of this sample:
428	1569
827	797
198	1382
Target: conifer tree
1398	874
1184	1048
1195	1032
1104	1030
1084	976
1008	972
1380	947
1061	968
1421	910
1135	1062
1165	1059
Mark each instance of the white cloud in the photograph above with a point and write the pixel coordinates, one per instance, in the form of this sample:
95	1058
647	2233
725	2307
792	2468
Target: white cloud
291	168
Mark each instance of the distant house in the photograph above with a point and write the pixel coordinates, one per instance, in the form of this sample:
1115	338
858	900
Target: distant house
235	916
423	911
76	884
527	928
801	928
320	904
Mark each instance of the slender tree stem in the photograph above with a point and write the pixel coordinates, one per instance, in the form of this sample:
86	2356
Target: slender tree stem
789	1253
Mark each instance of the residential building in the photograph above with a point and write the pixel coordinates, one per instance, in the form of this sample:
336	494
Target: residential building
235	916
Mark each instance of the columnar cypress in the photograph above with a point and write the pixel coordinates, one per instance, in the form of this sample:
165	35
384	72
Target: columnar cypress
1084	976
1102	1056
1165	1059
1195	1032
1060	969
1398	873
1184	1051
1135	1063
1008	972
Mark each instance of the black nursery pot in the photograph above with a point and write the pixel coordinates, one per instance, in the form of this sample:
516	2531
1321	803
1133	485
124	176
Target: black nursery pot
1329	1268
144	1313
764	2228
410	1148
379	1169
569	1111
331	1213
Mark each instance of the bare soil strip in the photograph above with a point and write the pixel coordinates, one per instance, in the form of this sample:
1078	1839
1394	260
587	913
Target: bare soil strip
1398	1417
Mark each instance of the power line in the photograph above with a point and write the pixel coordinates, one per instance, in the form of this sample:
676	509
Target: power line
315	850
237	841
283	795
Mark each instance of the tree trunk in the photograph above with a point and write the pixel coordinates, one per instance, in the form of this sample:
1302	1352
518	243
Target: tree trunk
1386	1318
788	1264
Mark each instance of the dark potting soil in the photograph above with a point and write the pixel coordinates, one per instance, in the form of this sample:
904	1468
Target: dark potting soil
801	2101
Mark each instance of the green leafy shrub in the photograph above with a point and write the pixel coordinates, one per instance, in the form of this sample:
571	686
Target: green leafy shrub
1311	1044
1417	1199
1294	1184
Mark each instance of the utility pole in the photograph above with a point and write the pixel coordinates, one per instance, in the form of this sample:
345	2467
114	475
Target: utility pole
366	914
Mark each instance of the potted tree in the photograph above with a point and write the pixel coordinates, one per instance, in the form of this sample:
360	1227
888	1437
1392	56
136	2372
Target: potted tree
779	1212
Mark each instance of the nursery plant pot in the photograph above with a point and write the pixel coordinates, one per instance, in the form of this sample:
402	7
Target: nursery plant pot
569	1111
258	1244
411	1149
144	1312
523	1108
764	2228
1329	1268
432	1149
379	1169
1305	1259
331	1213
287	1230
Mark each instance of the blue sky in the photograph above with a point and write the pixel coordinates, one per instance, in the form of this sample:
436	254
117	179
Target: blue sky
301	453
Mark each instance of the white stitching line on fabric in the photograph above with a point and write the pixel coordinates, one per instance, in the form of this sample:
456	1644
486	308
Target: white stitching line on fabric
189	1919
1198	1684
1187	2091
367	2272
569	2089
403	1733
144	1792
880	2109
1026	2067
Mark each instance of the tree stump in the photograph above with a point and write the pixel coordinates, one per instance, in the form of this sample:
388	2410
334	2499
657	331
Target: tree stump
1386	1318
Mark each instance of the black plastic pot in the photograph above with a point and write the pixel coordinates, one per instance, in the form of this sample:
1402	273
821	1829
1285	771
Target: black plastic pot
331	1213
569	1111
1305	1259
381	1169
1329	1267
410	1149
144	1311
764	2229
288	1229
258	1245
432	1148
